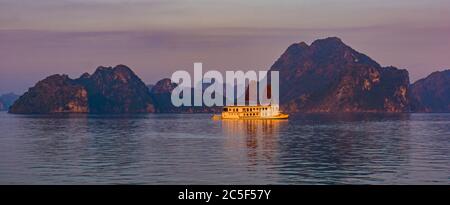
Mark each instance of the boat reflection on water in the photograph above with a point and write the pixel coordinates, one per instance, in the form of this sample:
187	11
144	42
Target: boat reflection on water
255	141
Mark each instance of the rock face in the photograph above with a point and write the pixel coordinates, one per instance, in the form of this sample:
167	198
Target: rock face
150	86
116	90
161	95
329	76
54	94
431	94
6	100
108	90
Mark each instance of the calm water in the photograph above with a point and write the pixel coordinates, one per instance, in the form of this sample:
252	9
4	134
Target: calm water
192	149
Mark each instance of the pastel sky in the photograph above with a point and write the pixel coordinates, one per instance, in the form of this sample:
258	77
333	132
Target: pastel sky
156	38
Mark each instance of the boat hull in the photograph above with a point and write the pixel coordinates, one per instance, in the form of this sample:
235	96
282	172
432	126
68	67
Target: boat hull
276	117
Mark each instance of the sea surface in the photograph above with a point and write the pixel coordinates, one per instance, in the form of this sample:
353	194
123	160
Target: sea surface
193	149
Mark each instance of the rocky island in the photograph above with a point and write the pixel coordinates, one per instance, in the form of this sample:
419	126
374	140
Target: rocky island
107	90
431	94
329	76
326	76
6	100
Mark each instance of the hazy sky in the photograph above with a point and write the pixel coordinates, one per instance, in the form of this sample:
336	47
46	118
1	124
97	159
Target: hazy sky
155	38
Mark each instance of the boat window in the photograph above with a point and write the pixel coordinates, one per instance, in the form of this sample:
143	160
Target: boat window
225	109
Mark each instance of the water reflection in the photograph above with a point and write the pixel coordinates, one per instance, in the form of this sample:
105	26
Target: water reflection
354	147
193	149
113	144
258	138
86	145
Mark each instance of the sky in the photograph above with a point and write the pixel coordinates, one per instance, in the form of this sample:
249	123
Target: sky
156	38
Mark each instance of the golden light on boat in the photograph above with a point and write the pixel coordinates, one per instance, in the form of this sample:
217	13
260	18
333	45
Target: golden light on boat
258	112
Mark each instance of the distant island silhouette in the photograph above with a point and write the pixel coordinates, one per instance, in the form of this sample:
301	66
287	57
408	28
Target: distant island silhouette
326	76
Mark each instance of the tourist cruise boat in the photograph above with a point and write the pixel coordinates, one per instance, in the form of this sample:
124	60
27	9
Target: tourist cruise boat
251	112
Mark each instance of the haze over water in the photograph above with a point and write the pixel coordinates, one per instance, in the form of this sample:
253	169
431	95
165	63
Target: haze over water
193	149
156	38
